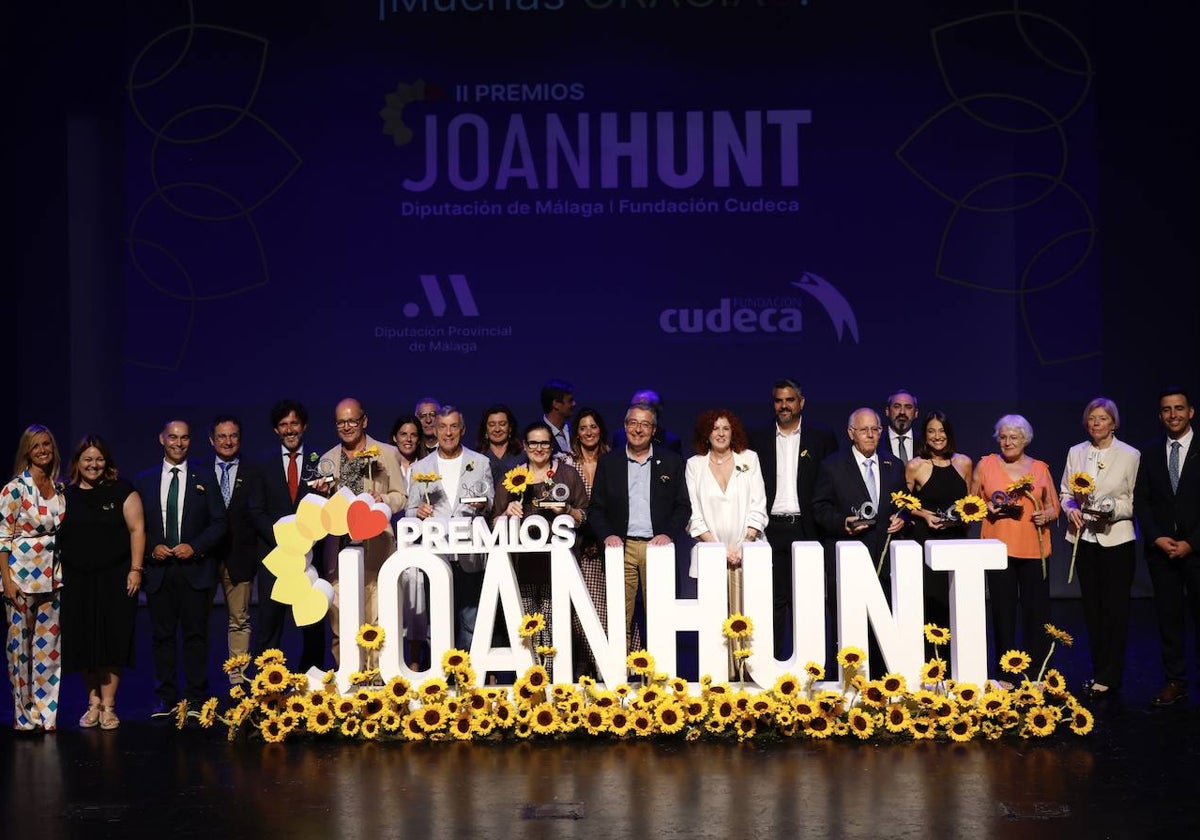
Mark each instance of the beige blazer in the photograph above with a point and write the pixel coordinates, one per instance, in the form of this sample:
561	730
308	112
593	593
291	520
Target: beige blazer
388	481
1116	479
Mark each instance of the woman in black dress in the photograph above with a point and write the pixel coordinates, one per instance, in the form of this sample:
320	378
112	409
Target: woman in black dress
939	477
102	543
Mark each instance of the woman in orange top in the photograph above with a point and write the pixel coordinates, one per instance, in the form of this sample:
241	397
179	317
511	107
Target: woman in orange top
1023	527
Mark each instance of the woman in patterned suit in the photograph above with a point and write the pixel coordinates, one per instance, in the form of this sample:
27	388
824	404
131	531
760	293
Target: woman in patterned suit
31	509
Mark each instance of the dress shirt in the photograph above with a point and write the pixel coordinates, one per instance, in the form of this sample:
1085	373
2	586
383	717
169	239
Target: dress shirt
787	459
1185	443
640	524
894	443
873	481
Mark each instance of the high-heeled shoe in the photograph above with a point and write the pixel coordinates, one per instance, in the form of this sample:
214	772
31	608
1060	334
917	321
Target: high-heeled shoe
108	717
91	718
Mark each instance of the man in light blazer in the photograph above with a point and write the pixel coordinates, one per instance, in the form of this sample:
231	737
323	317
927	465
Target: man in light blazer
1106	547
790	451
363	465
639	498
185	519
1166	501
842	487
464	489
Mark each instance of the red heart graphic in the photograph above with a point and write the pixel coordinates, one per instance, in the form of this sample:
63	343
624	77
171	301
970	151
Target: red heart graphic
364	521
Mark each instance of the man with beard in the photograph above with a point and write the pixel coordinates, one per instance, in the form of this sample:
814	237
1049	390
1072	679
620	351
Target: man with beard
901	412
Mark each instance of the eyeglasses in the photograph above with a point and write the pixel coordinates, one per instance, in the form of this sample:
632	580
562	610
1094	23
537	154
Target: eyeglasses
428	415
543	444
639	424
229	437
349	424
867	430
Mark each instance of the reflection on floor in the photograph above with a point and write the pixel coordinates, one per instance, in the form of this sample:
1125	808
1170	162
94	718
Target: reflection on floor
1137	775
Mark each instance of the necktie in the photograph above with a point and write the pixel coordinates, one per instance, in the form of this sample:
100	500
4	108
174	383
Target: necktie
870	466
293	476
226	490
904	448
172	522
1173	465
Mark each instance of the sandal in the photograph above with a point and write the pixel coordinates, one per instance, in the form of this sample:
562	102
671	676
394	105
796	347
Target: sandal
108	717
91	718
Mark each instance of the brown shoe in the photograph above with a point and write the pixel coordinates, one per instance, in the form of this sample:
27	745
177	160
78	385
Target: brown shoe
1171	694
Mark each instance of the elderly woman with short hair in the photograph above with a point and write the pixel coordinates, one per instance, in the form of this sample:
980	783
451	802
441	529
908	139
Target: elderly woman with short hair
1022	527
1106	551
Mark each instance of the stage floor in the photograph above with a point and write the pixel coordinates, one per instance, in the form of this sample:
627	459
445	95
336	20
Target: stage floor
1137	775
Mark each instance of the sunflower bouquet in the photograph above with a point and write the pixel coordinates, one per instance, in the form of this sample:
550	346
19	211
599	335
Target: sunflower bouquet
368	455
425	479
970	509
1082	487
517	480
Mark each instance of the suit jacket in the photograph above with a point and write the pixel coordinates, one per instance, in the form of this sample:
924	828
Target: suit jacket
476	469
840	487
885	441
202	524
1161	512
669	504
277	500
387	480
817	443
238	547
1116	479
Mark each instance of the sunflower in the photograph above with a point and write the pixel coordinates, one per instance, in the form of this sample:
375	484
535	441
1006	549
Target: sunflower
873	695
747	727
670	717
971	509
737	626
531	623
695	709
936	635
397	690
648	697
893	684
431	717
818	727
1014	661
595	720
851	657
724	709
504	713
517	479
1028	695
375	705
345	707
461	728
1081	721
994	702
943	710
537	677
642	723
862	725
483	726
319	721
272	730
640	662
1054	682
933	671
693	734
1024	484
905	501
1039	721
290	720
742	653
370	637
814	671
208	712
181	710
544	719
967	693
922	728
432	690
897	718
1081	484
717	689
455	658
359	678
350	727
1059	635
236	663
275	677
619	722
786	686
762	706
237	692
715	725
962	728
268	656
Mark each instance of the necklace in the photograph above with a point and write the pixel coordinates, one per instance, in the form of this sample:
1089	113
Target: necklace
718	461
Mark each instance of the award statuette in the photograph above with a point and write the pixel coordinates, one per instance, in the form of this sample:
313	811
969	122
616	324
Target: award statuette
1006	507
864	514
555	498
473	493
324	473
1101	508
949	516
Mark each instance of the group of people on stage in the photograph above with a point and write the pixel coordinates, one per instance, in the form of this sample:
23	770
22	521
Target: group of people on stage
76	556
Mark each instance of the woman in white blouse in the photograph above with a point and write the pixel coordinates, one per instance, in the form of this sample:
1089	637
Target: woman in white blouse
1106	554
725	486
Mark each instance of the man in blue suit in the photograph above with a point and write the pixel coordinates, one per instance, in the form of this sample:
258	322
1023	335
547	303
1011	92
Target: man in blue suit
185	519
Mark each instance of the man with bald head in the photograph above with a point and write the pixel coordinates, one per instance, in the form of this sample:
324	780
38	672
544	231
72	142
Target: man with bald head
378	476
846	480
185	520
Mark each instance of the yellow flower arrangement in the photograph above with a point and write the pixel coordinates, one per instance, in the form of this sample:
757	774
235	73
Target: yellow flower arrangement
971	509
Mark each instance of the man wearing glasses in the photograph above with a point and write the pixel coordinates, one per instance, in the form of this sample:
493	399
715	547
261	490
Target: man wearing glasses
639	498
363	465
845	482
464	489
427	409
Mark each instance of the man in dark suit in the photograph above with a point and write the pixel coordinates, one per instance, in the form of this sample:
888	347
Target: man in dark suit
898	437
236	555
639	498
790	451
558	404
1166	501
662	436
286	474
185	519
845	481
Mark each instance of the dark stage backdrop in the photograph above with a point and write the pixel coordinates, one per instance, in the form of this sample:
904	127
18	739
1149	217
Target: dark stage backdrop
463	198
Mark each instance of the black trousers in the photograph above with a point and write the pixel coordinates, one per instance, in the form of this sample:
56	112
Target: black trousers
177	608
269	632
1176	592
1021	581
780	536
1105	578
